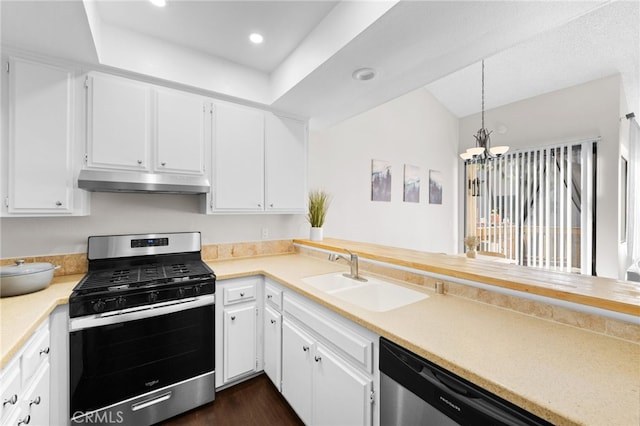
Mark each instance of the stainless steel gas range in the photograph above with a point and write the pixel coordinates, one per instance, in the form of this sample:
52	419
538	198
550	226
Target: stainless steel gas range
141	342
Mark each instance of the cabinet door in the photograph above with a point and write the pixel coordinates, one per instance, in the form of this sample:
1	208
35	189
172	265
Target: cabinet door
238	158
41	135
273	345
285	164
35	402
118	123
240	349
341	395
181	121
297	358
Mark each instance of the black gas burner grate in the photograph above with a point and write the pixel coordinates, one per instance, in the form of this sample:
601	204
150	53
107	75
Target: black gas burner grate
139	275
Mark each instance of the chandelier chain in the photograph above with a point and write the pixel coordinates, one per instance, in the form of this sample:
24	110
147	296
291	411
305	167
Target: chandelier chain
483	93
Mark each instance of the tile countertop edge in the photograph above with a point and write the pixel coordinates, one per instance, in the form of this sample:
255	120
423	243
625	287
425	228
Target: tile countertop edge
623	297
18	324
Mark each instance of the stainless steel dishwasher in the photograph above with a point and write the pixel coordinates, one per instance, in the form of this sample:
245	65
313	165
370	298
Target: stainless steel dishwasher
414	391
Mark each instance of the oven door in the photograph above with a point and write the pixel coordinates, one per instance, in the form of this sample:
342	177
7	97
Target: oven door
118	356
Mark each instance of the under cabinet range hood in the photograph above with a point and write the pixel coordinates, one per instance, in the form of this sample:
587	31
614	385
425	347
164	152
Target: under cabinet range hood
124	181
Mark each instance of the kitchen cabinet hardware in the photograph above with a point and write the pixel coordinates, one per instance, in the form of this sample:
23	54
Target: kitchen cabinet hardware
139	161
163	163
58	203
269	296
241	294
11	401
317	358
305	348
233	318
35	401
44	351
25	421
273	321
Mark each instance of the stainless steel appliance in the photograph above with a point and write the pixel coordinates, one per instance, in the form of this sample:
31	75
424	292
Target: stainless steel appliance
414	391
141	342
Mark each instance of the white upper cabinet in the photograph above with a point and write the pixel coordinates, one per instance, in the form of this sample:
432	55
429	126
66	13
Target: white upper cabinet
238	159
259	162
138	126
285	164
41	154
181	130
118	123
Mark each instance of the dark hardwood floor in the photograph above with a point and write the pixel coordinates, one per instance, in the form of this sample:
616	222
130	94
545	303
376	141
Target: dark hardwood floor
254	402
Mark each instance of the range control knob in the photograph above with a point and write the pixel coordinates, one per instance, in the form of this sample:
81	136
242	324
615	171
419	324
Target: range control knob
197	289
120	301
181	292
99	305
153	296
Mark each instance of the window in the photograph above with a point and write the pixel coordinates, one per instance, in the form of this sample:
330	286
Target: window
536	206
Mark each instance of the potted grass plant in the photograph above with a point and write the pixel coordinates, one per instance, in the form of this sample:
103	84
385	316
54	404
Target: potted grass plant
318	206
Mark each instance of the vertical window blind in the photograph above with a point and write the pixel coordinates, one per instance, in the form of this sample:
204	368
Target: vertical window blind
535	207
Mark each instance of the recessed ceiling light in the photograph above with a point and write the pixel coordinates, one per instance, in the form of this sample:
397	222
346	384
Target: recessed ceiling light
256	38
364	74
159	3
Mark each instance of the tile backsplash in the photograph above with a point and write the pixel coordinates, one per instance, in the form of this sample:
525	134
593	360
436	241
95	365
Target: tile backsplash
76	263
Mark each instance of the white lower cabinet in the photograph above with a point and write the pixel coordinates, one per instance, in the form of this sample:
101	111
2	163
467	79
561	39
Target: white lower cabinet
272	321
238	337
240	349
341	394
327	368
297	374
25	383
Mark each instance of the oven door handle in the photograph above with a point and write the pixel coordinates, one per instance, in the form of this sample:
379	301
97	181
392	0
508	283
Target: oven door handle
140	312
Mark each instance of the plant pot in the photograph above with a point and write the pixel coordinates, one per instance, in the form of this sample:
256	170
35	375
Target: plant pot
315	234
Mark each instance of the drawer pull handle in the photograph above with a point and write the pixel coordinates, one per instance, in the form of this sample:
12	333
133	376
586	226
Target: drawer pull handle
25	421
58	203
317	358
44	351
241	294
12	400
305	348
35	401
269	296
233	318
273	321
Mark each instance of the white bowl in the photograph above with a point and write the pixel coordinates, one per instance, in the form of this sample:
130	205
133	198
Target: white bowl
23	278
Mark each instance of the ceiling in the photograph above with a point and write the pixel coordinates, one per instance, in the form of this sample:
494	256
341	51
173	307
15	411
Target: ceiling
311	48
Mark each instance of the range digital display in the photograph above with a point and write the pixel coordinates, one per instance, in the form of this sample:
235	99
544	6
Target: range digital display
150	242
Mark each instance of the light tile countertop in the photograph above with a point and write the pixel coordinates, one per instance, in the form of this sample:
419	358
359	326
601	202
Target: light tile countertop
563	374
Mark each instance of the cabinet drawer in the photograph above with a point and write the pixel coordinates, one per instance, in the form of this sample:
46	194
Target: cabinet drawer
358	348
35	352
240	293
273	295
9	389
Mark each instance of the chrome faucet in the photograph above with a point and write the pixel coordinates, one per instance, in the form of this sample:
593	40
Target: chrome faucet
353	263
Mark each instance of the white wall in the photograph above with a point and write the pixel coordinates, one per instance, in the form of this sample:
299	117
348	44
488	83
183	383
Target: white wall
579	112
413	129
113	213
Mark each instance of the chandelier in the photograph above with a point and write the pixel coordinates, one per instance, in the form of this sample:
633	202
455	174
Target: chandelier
483	150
